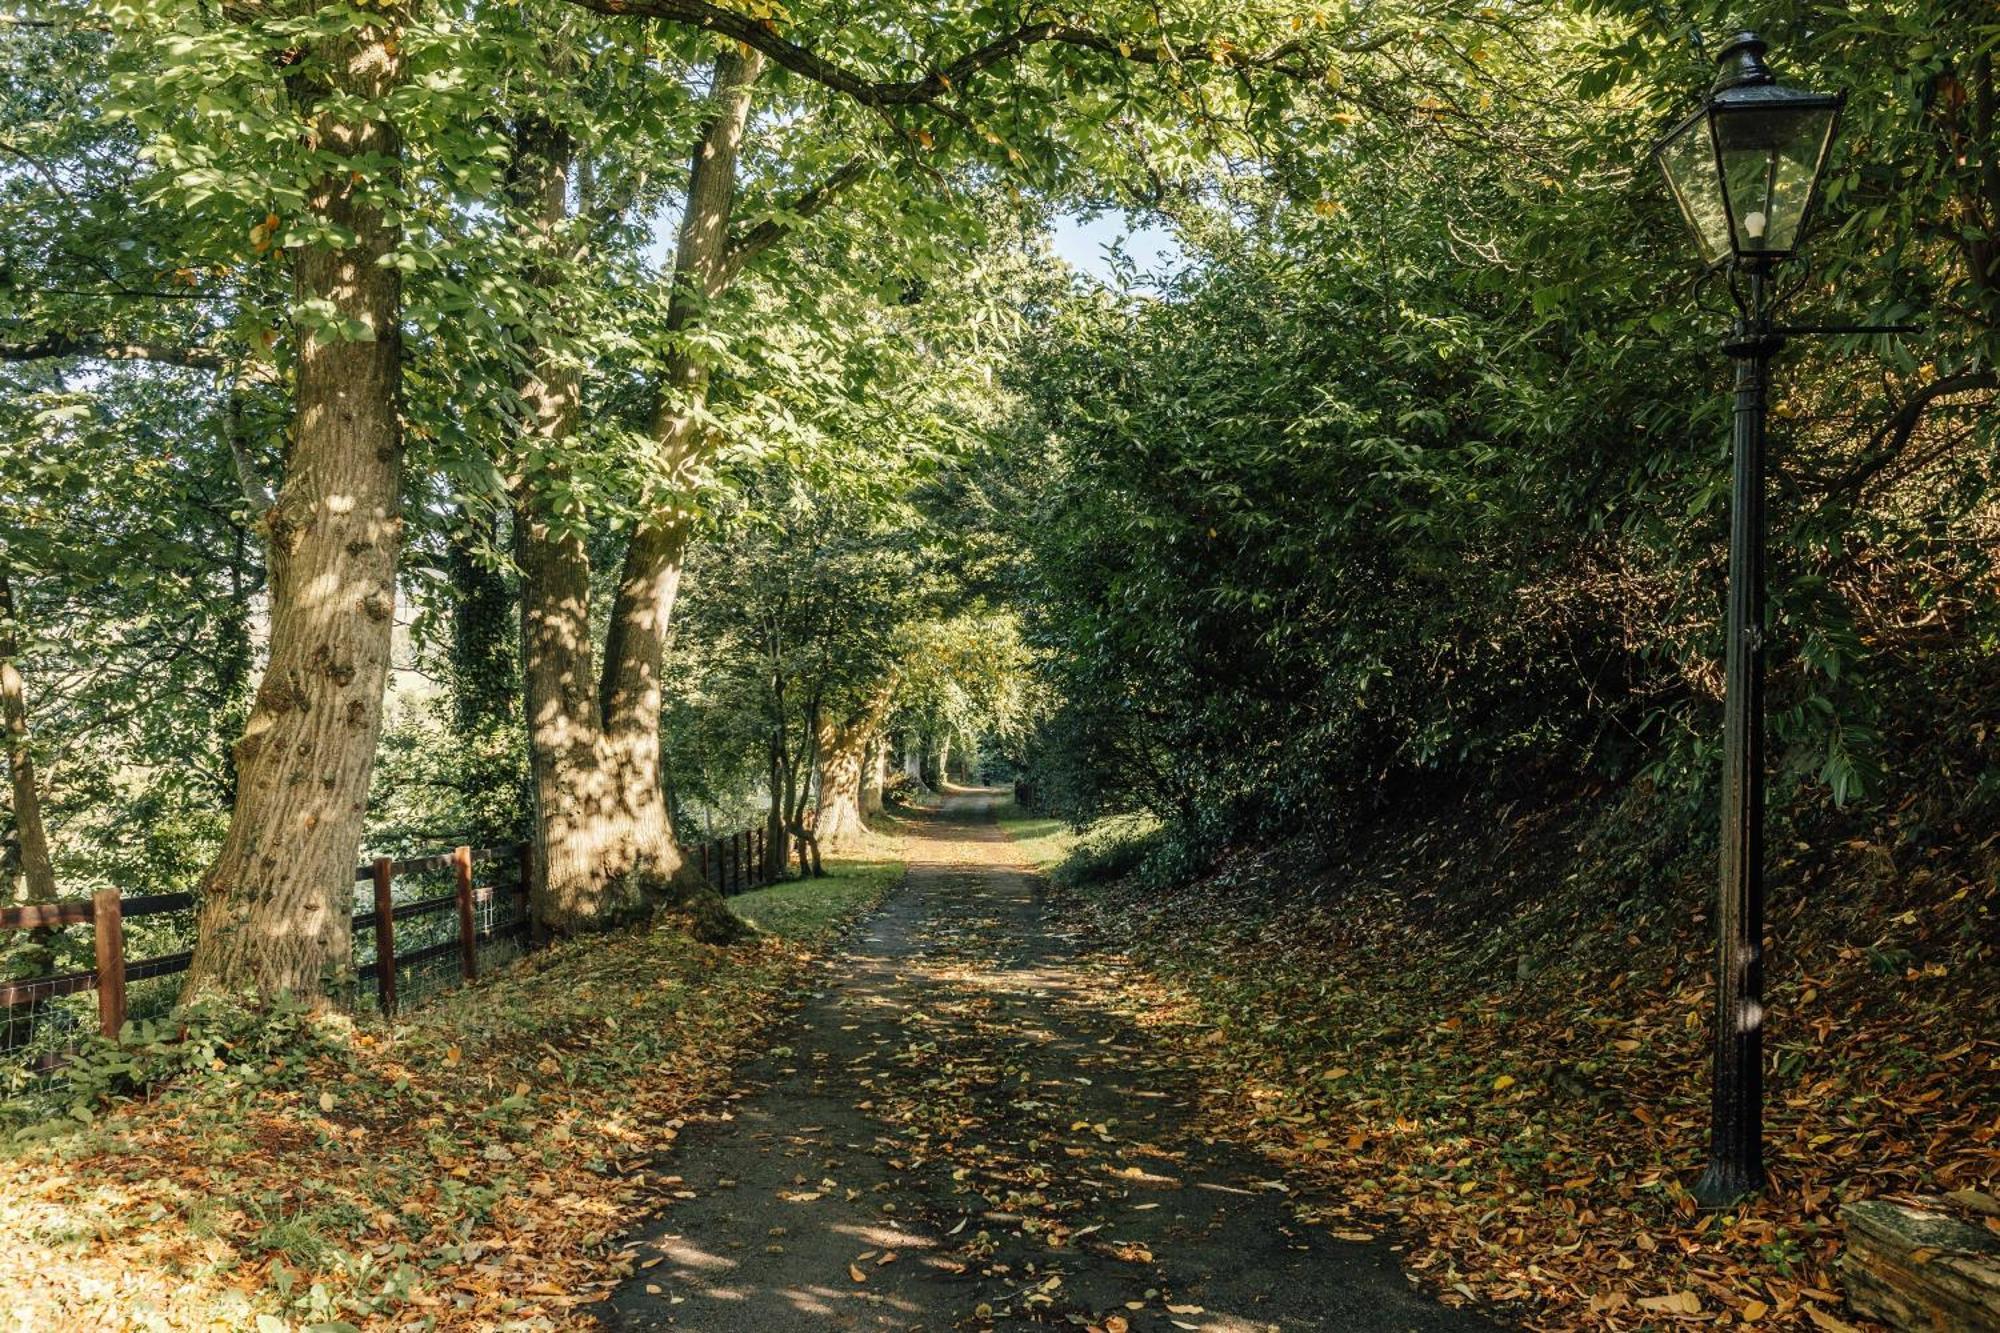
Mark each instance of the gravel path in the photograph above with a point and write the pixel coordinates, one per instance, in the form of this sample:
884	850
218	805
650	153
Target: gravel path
959	1137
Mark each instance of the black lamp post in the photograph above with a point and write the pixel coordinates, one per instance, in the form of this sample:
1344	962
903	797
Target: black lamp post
1745	169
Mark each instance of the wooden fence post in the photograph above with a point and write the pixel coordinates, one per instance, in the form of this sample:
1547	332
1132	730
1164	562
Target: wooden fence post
385	935
528	893
468	939
108	922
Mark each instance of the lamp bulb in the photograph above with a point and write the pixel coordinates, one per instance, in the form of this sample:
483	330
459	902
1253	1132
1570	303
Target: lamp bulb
1753	224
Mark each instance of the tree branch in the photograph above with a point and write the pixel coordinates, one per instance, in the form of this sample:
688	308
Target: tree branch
1893	435
97	347
760	35
745	248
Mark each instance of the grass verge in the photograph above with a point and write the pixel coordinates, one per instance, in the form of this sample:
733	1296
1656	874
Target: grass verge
1047	843
1044	841
468	1167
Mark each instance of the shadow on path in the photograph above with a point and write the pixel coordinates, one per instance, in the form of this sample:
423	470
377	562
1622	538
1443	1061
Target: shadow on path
959	1135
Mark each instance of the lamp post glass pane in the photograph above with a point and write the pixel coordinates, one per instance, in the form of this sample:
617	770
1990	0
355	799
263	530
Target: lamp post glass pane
1770	158
1687	159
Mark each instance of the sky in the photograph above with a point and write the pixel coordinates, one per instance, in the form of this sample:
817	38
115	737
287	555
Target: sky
1083	243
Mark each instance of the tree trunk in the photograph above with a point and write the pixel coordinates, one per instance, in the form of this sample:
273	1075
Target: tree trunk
275	904
635	645
777	832
634	660
31	874
578	814
874	774
845	751
837	824
799	794
583	820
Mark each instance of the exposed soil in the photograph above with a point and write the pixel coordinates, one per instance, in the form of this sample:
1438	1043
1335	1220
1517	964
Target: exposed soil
961	1133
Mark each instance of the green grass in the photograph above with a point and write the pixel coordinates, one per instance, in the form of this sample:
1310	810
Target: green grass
809	910
1043	840
1047	842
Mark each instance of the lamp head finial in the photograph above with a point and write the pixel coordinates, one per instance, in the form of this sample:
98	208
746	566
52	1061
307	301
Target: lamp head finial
1740	63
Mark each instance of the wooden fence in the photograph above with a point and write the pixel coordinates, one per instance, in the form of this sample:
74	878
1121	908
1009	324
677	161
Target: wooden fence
737	862
734	863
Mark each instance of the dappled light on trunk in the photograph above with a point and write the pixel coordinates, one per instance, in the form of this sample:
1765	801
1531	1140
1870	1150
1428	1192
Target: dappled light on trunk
274	905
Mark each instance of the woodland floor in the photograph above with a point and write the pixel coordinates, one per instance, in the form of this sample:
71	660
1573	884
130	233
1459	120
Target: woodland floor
1486	1037
962	1130
471	1166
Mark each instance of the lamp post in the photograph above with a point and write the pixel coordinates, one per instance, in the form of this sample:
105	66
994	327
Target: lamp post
1745	169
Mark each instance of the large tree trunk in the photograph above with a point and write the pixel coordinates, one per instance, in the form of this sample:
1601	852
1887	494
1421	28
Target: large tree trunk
578	814
635	645
582	819
837	823
634	660
604	847
843	752
30	871
275	904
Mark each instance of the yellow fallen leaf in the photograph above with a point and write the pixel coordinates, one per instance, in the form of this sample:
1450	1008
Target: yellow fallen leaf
1504	1082
1754	1310
854	1271
1680	1302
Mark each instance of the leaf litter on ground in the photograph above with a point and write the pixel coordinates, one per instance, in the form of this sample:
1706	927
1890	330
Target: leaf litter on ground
1529	1133
470	1166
